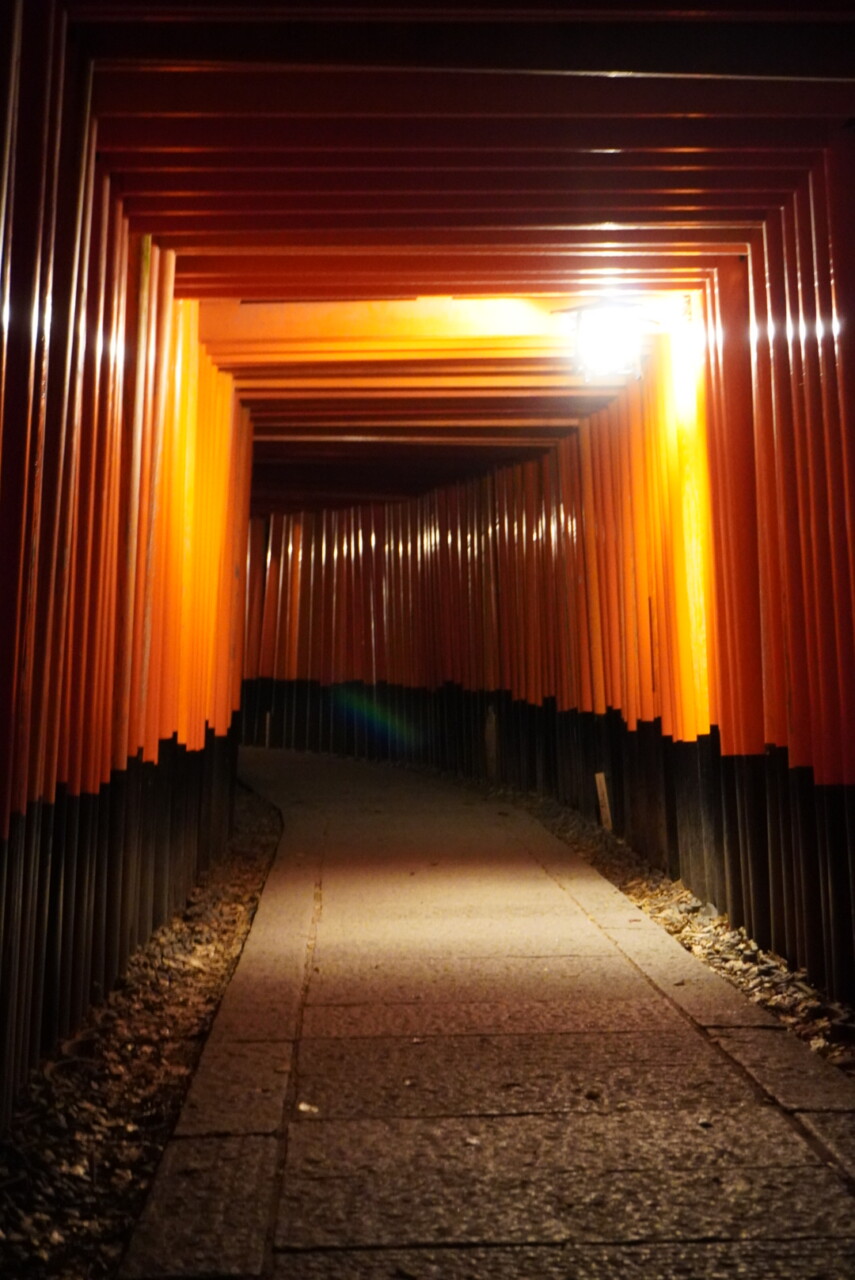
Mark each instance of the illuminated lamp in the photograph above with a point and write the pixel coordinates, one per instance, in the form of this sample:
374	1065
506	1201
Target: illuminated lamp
608	340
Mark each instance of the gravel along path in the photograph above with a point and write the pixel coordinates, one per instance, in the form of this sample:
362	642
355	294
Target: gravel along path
88	1132
827	1026
77	1160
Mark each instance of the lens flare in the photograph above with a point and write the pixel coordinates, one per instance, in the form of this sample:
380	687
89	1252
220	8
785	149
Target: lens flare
608	340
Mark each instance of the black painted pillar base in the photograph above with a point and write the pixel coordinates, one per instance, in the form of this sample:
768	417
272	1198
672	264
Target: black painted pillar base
85	880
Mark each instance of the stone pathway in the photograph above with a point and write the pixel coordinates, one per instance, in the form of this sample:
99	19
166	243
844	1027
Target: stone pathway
452	1049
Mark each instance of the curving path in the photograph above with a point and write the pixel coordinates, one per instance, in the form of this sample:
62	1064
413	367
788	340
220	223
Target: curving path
451	1049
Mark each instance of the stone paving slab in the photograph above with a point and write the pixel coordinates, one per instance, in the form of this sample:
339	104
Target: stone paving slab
207	1212
582	882
778	1260
451	978
661	1205
440	848
451	901
496	1075
712	1002
459	889
262	1002
440	904
562	933
836	1131
284	917
707	998
594	1142
602	900
238	1088
588	1012
624	918
797	1080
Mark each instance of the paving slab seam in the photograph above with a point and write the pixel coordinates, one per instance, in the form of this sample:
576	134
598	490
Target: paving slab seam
257	1149
791	1113
703	1028
292	1091
712	1032
569	1242
821	1149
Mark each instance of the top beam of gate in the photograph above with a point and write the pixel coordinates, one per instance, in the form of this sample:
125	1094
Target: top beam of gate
358	154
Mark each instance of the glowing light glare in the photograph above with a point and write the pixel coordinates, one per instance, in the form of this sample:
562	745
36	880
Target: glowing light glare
832	328
608	340
688	353
7	316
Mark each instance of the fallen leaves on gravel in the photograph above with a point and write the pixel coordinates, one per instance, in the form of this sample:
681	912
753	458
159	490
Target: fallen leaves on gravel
89	1129
828	1026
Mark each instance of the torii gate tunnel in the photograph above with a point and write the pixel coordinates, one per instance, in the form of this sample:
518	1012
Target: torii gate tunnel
301	442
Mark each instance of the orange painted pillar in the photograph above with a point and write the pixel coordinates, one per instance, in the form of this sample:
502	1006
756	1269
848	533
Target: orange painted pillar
734	494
